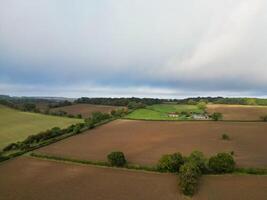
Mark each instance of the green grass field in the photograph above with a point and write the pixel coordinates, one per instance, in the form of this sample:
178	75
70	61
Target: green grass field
16	125
160	112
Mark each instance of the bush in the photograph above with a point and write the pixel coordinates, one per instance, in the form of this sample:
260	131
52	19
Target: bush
189	174
170	162
202	105
199	159
225	137
216	116
11	146
98	117
264	118
117	159
222	163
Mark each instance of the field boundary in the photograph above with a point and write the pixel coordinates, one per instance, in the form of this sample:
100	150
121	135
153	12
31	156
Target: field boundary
93	163
51	141
129	166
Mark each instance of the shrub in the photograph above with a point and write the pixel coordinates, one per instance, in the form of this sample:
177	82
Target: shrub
11	146
202	105
264	118
170	162
216	116
222	163
98	117
225	137
116	158
189	174
199	159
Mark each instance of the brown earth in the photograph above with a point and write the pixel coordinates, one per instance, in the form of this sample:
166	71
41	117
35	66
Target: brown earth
232	187
238	112
31	179
144	142
85	109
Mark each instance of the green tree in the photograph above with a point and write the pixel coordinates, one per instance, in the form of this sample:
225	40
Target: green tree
202	105
199	159
216	116
222	163
189	174
170	162
117	159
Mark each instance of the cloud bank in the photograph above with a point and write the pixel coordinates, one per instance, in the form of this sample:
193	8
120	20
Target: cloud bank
174	48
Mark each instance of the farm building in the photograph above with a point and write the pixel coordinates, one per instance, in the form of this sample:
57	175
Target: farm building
173	114
200	117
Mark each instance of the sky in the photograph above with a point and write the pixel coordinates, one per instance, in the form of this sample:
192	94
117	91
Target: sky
151	48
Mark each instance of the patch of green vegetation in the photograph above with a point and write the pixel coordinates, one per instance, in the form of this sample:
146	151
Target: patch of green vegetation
161	112
17	125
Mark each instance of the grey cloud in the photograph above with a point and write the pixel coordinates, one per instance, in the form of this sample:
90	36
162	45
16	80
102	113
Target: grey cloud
184	46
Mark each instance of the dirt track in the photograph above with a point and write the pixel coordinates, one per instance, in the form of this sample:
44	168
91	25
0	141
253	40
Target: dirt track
239	112
31	179
85	109
144	142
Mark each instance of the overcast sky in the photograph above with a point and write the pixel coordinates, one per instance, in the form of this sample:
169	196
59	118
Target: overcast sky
146	48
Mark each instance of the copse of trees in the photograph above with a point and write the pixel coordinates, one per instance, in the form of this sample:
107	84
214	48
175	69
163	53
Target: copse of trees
216	116
59	104
119	112
118	101
223	100
191	168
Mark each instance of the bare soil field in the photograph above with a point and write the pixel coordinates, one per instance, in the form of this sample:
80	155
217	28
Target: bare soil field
232	187
85	109
144	142
238	112
30	179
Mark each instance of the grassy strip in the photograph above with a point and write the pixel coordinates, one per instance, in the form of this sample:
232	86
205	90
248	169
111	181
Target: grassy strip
253	171
90	162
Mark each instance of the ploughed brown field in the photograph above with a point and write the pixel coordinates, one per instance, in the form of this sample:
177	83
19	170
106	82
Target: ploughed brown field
85	109
30	179
238	112
232	187
144	142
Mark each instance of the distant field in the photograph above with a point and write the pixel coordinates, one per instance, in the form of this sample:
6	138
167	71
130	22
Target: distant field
160	112
49	180
85	109
238	112
144	142
16	125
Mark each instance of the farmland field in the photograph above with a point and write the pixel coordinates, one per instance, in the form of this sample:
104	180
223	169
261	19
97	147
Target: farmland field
238	112
85	109
144	142
160	112
45	180
30	178
16	125
232	187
